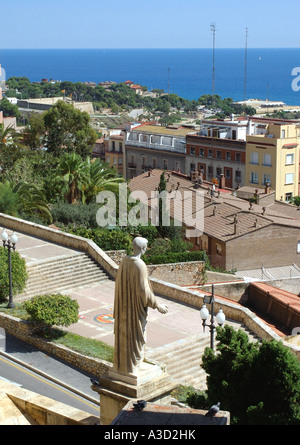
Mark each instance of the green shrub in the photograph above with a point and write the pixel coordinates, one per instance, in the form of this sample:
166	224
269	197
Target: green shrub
175	257
104	238
18	270
83	215
52	310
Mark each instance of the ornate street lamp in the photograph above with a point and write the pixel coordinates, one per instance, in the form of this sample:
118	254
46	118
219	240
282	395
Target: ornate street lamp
9	244
204	314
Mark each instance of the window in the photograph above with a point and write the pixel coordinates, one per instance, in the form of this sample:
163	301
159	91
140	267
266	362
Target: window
254	158
193	151
201	152
254	178
219	154
120	161
267	160
238	175
289	178
177	166
113	145
154	162
219	171
115	160
120	147
282	134
238	157
210	153
267	179
228	156
165	164
288	197
210	171
219	249
298	247
289	159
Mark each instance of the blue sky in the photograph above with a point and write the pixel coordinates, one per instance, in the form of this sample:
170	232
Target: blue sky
148	24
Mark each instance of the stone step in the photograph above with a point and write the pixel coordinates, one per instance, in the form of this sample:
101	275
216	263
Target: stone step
91	277
59	286
48	276
52	276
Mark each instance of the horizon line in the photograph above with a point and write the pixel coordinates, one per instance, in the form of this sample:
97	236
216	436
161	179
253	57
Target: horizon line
151	48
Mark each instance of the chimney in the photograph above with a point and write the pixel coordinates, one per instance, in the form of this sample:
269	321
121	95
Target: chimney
222	181
215	210
236	220
264	210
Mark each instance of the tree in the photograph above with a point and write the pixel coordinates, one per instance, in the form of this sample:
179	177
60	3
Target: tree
257	383
19	273
34	131
23	199
68	130
99	177
9	109
82	180
70	174
10	148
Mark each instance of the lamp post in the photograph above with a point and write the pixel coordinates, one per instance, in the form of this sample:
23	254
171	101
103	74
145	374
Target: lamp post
9	244
204	314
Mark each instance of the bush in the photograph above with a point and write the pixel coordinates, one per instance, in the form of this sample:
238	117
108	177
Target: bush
18	270
176	257
52	310
104	238
83	215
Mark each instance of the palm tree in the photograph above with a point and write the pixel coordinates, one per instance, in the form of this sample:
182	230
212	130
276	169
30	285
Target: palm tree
99	177
70	174
23	198
83	180
10	147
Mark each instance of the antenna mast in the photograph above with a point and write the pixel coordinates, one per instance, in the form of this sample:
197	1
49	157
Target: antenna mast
213	29
246	54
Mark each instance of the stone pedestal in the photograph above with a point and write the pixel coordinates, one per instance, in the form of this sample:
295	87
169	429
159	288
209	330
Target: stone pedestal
151	383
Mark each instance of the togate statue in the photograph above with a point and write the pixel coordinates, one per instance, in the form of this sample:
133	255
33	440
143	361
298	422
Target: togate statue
133	296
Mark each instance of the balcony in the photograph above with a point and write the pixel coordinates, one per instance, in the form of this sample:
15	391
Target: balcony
179	147
131	166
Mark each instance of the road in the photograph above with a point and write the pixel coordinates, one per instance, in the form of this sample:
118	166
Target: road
46	383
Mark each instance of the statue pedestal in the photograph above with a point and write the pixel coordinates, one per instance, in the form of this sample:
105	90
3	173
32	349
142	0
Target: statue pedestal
150	383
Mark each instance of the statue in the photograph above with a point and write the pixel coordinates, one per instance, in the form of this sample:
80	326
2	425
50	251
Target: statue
133	296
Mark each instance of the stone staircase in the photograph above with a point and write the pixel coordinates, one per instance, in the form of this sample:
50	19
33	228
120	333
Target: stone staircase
183	358
61	274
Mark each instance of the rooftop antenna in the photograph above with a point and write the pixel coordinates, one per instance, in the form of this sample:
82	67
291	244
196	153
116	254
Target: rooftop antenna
246	54
213	29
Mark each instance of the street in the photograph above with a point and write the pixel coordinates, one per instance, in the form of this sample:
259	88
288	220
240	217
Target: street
45	383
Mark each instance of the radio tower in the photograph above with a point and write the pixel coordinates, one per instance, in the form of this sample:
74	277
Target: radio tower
246	54
213	29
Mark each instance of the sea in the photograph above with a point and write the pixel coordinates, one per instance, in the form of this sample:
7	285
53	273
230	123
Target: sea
272	74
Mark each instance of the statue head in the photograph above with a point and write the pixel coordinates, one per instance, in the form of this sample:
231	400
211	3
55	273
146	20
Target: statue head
139	245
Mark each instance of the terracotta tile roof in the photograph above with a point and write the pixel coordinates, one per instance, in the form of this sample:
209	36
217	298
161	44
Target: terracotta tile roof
220	213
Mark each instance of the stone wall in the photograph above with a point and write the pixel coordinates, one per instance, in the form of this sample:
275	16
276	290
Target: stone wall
182	274
25	331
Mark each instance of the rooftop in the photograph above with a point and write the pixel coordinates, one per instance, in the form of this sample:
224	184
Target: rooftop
158	129
222	211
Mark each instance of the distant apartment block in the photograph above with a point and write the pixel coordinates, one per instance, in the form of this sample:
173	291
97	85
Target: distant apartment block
114	150
272	158
150	146
219	149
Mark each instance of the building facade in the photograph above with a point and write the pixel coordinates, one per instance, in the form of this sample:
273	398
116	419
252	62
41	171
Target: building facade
114	150
150	146
272	158
219	149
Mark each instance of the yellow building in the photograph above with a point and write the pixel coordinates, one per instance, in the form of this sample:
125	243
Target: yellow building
272	158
